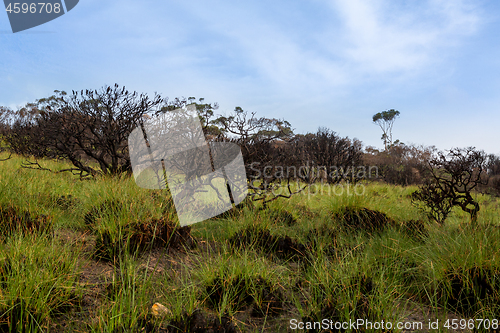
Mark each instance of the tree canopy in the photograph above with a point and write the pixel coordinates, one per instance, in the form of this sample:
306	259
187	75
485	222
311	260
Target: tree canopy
385	120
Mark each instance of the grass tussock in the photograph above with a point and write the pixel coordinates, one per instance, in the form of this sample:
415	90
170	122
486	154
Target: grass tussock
95	256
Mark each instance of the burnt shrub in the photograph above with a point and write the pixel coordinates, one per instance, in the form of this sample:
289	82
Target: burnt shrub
468	291
455	175
363	219
400	164
260	239
13	219
110	244
265	298
494	185
85	126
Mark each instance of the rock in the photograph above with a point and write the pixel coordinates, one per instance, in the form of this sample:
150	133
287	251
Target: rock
159	310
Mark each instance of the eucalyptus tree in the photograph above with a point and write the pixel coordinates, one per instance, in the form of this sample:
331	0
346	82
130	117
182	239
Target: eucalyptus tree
385	120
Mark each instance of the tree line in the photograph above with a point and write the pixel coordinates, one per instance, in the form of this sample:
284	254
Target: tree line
90	128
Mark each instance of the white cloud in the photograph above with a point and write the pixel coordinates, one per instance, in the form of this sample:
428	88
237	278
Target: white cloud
355	41
384	36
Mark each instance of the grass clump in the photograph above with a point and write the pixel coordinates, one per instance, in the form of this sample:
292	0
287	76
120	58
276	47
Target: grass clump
244	291
110	208
237	210
342	300
468	291
261	239
415	229
38	283
200	321
14	220
112	242
283	216
126	306
323	238
363	219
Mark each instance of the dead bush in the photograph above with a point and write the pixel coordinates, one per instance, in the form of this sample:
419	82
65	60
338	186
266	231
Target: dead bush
454	177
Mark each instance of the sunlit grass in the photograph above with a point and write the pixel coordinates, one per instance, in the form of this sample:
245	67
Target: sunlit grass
353	274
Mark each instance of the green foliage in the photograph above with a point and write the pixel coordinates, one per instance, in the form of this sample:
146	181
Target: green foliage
38	280
385	120
239	276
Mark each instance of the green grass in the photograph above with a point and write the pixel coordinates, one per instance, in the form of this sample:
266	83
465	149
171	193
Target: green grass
52	282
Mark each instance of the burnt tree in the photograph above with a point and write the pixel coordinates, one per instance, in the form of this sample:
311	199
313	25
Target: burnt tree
280	164
453	178
87	128
261	140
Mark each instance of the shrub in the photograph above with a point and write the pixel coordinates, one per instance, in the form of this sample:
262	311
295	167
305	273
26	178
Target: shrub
454	176
90	125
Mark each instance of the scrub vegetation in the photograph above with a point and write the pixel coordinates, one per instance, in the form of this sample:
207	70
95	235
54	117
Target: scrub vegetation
98	255
330	232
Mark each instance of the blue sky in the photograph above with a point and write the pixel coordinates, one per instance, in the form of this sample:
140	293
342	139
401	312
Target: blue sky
312	62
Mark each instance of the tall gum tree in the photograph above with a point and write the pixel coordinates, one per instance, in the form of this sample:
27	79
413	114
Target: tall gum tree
385	120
